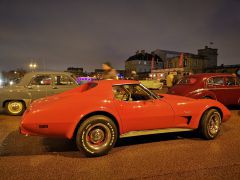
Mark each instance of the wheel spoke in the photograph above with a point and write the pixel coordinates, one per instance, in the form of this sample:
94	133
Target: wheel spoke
214	124
98	136
15	107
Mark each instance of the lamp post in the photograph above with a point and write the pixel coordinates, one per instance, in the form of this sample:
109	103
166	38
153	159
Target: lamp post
32	66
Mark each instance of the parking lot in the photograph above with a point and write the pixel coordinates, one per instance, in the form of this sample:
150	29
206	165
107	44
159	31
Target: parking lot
174	155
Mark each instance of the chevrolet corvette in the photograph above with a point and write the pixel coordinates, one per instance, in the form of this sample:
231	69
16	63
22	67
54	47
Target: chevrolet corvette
97	113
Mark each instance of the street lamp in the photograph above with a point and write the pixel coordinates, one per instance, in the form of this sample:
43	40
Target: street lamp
32	66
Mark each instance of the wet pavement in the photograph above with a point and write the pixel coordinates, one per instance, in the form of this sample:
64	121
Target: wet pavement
172	156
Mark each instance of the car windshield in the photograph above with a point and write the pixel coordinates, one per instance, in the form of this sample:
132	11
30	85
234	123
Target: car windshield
187	80
74	77
151	92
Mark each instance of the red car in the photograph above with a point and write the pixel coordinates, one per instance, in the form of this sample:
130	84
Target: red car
219	86
97	113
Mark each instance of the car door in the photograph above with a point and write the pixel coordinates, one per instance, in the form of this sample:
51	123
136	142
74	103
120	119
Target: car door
217	86
39	86
139	110
232	90
61	83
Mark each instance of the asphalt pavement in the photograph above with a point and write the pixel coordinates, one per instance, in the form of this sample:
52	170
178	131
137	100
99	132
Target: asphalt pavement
164	156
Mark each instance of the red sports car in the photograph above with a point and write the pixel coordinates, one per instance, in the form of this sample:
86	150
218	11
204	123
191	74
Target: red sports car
219	86
95	114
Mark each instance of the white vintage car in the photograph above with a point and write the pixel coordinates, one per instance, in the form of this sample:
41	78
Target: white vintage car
152	84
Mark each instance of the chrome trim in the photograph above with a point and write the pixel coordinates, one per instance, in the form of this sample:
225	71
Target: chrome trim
154	131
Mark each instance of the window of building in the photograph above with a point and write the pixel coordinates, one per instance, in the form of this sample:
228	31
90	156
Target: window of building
185	63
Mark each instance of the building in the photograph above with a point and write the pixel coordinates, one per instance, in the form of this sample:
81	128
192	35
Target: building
98	73
169	61
76	71
142	63
165	55
191	63
225	69
210	54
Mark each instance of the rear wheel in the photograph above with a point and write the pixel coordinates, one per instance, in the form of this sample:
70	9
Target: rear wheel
96	136
210	124
15	108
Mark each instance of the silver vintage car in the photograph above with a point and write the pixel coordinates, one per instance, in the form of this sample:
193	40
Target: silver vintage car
16	98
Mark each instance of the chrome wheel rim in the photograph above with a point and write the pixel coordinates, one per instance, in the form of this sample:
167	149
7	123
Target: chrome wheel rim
214	124
15	107
98	136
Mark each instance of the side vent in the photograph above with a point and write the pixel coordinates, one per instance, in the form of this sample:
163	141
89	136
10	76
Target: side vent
188	119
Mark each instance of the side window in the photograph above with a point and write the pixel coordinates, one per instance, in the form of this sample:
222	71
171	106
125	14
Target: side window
120	93
138	93
230	81
133	92
41	80
63	80
216	81
88	86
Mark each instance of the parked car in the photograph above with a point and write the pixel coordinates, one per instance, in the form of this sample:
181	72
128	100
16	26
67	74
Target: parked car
97	113
219	86
152	84
16	98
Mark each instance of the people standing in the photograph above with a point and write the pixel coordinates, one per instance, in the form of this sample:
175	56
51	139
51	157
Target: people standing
134	76
109	71
170	80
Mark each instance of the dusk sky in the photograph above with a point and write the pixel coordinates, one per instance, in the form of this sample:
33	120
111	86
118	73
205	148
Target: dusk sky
58	34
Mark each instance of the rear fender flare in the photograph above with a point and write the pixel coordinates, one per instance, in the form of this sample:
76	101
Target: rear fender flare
114	117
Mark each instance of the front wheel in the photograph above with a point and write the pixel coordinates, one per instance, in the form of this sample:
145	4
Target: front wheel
96	136
15	108
210	124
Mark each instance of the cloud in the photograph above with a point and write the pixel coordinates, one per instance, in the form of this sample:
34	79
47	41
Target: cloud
60	34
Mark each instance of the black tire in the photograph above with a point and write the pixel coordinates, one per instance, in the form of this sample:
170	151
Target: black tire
210	124
15	108
96	136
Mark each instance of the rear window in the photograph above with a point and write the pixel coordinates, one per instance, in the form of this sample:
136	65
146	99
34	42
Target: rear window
187	80
88	86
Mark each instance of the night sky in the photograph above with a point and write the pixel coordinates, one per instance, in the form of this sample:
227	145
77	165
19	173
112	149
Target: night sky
58	34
